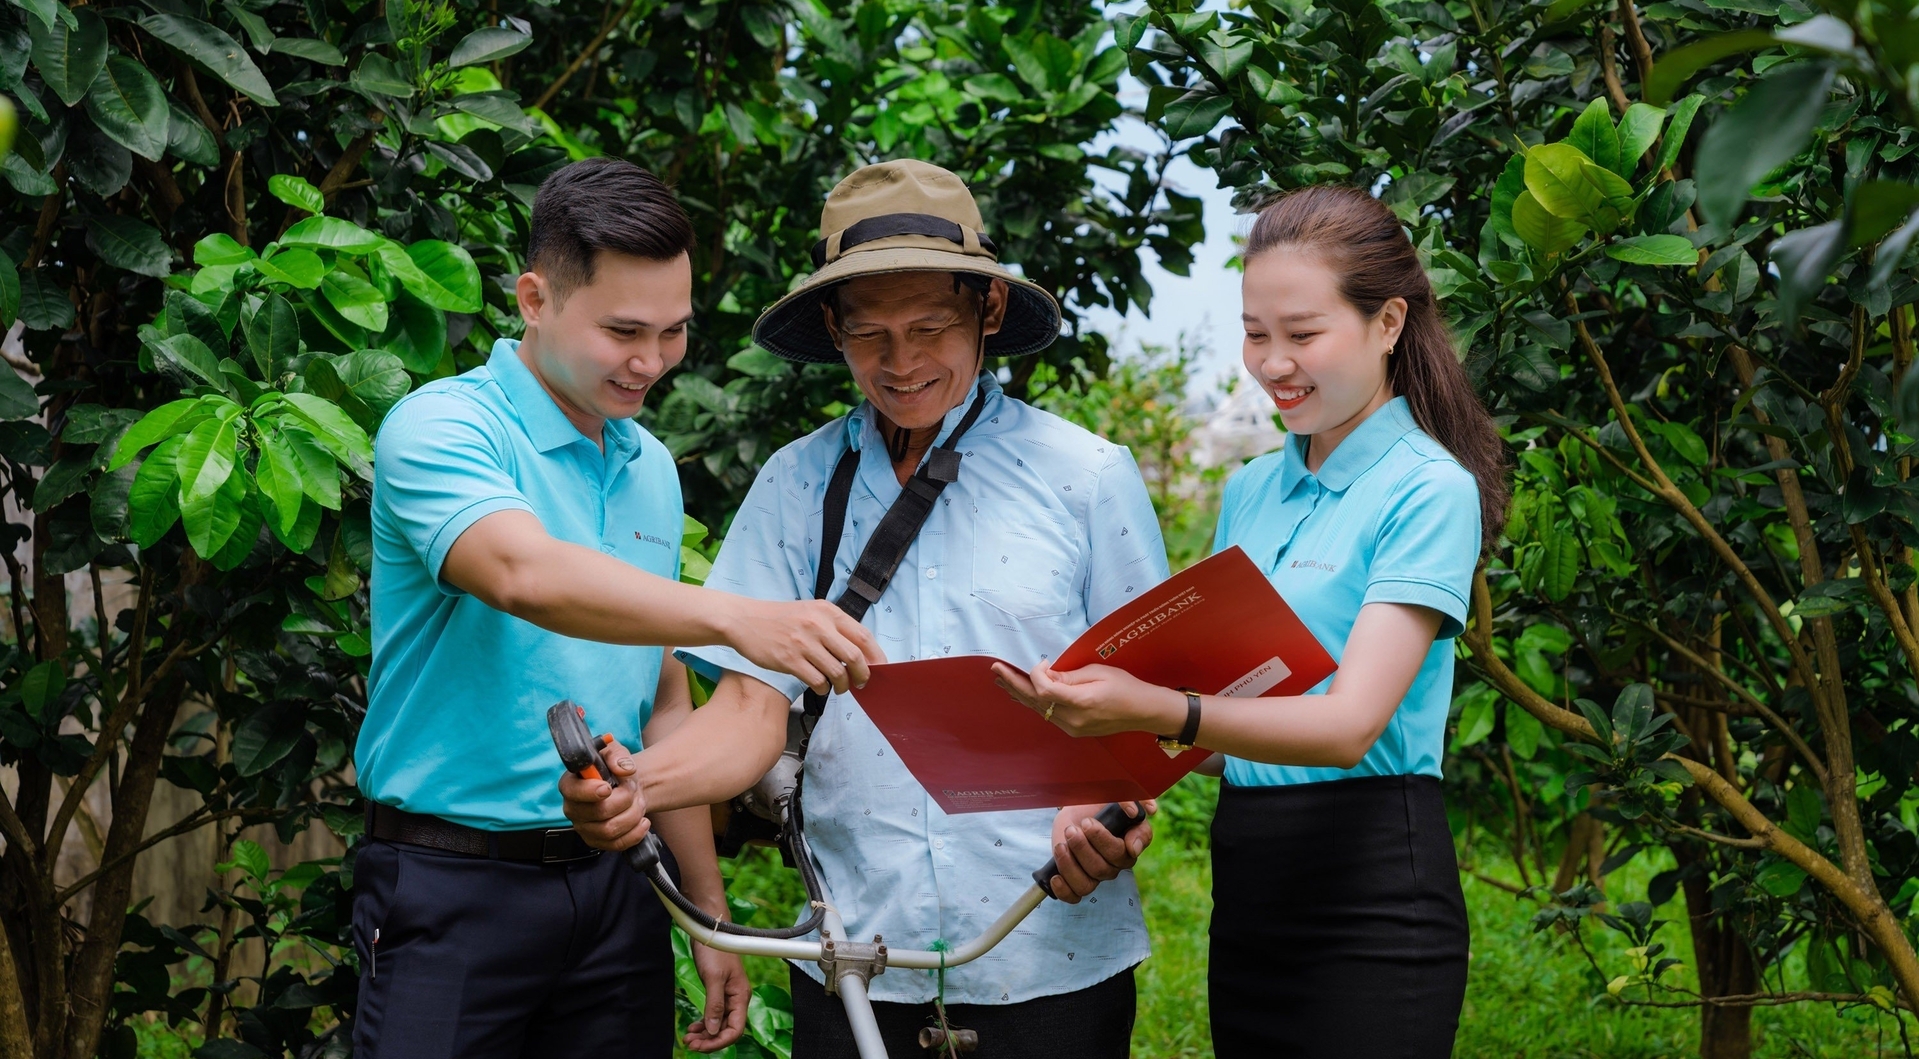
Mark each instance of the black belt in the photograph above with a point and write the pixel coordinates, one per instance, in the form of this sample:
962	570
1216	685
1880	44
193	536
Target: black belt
545	845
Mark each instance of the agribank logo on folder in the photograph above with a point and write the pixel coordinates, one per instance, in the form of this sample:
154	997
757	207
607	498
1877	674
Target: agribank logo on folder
1218	627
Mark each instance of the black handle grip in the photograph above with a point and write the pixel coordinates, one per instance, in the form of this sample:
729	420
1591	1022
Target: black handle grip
1114	819
566	722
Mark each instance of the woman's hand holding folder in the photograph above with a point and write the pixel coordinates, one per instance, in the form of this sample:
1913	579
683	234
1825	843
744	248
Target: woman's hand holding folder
1095	700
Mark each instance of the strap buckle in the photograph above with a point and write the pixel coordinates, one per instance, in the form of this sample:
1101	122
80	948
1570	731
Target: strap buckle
563	845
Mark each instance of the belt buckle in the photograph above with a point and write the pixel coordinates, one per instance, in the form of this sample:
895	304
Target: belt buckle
555	849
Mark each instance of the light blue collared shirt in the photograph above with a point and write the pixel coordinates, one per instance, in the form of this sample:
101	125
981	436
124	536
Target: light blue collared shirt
1048	528
456	709
1391	517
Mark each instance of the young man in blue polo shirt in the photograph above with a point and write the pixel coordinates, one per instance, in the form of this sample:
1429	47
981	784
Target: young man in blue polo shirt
526	550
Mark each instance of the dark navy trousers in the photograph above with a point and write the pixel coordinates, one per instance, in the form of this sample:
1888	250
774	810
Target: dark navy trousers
482	958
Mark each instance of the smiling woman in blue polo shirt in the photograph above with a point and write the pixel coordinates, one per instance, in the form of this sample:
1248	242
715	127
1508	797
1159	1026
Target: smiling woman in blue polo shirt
1339	927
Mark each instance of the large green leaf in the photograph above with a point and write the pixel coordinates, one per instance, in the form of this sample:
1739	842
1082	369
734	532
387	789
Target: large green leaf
319	475
212	48
487	44
332	233
415	332
158	425
190	356
355	298
1675	67
1638	128
130	106
9	291
335	428
377	75
212	519
1194	114
44	305
69	57
207	457
295	266
1562	563
266	736
278	477
1570	186
297	192
273	336
189	139
1759	134
17	399
221	249
1540	229
317	51
439	273
1654	250
107	503
376	377
1594	135
129	243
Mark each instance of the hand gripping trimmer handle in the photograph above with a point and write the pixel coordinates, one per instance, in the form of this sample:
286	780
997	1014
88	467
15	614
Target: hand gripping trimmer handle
1114	819
581	754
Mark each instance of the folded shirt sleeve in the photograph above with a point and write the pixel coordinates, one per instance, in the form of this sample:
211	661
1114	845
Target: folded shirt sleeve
438	469
759	560
1428	543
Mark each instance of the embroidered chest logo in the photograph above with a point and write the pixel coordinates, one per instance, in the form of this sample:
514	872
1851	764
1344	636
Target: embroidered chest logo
1315	564
650	539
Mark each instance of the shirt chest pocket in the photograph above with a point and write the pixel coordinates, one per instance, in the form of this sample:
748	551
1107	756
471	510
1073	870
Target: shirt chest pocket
1026	563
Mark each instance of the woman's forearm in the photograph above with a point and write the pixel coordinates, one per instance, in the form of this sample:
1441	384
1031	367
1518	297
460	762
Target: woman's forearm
688	832
1331	730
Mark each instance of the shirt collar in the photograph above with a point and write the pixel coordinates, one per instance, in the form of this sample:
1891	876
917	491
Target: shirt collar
545	423
1355	455
866	417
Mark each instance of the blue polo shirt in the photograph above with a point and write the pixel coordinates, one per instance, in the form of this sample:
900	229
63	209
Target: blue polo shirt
456	712
1390	517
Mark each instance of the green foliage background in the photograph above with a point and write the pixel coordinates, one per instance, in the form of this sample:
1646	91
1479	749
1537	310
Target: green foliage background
1673	240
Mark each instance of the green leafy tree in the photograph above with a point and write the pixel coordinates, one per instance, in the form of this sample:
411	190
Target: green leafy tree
236	235
1674	243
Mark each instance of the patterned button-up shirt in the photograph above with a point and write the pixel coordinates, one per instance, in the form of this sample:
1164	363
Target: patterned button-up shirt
1047	529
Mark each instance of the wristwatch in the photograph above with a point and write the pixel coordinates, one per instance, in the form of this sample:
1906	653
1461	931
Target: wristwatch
1175	745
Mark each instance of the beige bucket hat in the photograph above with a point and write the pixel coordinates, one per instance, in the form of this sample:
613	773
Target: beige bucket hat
902	216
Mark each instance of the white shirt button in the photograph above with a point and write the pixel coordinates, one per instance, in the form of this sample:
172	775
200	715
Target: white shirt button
932	572
939	843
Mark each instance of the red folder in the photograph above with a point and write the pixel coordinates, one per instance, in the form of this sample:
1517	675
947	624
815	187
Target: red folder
1217	627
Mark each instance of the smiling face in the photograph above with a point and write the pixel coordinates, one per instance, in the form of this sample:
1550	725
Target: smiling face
1318	358
912	341
599	349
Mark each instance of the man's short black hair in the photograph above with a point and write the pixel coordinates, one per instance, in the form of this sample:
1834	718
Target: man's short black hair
602	204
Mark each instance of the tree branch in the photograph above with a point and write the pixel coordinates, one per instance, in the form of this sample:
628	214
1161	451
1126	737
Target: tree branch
580	59
1636	38
1812	760
191	822
1676	498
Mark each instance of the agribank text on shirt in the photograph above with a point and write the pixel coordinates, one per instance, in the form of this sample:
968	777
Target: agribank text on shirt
1048	528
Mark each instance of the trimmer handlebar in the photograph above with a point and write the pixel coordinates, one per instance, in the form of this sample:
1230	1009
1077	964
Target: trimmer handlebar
581	754
1114	819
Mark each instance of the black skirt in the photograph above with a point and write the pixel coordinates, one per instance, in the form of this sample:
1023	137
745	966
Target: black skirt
1339	928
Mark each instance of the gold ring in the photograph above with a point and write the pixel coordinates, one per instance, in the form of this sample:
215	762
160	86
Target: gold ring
1048	715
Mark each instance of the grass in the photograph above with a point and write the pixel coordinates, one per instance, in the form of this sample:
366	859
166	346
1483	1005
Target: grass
1529	996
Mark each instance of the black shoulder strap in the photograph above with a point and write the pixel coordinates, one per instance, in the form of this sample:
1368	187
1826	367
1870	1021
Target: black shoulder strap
891	539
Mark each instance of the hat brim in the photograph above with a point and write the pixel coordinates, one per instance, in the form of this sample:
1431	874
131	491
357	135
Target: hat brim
795	329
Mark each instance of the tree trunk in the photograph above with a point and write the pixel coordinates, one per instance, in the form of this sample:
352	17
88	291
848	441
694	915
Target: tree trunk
1724	964
92	976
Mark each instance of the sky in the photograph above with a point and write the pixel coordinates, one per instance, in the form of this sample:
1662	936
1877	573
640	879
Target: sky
1205	304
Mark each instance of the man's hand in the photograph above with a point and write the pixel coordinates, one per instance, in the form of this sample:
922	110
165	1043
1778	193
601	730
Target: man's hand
811	639
727	994
607	817
1087	854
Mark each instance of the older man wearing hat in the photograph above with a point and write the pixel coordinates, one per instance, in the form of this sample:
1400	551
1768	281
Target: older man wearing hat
1032	529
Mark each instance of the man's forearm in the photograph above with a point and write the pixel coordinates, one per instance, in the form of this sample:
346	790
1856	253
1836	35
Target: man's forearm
719	751
576	591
